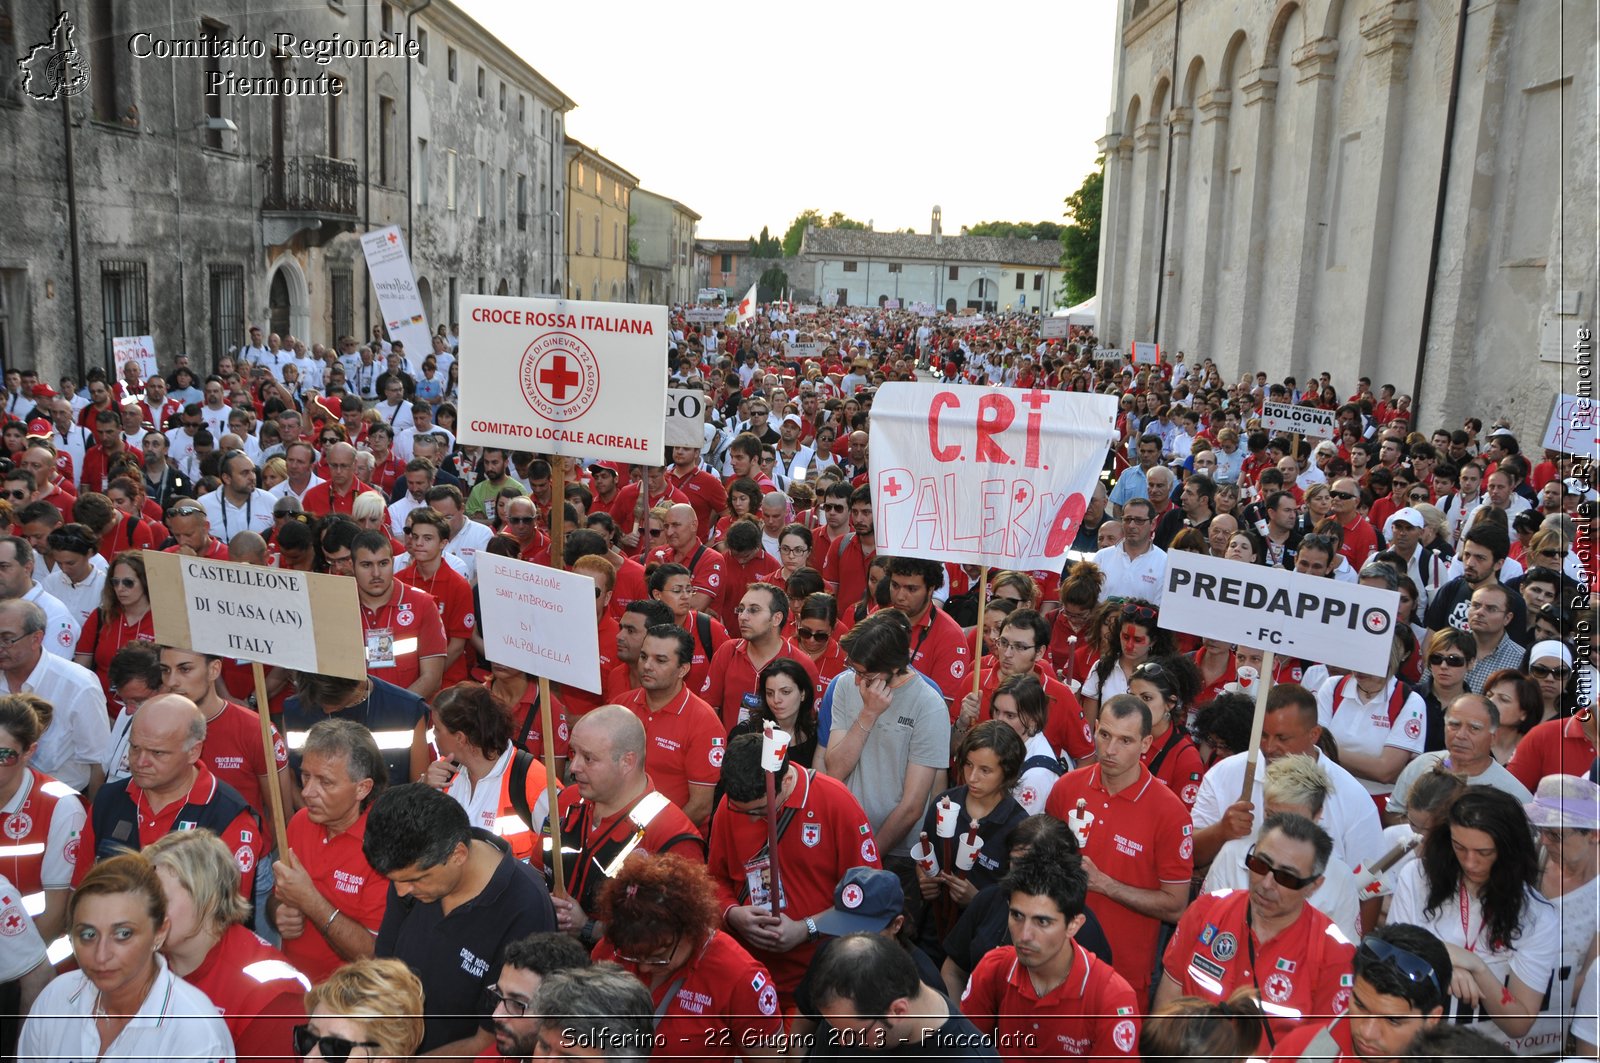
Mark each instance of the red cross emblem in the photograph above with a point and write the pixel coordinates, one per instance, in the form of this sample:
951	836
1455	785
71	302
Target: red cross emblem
560	376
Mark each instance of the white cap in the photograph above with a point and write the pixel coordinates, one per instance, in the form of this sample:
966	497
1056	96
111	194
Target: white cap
1407	514
791	418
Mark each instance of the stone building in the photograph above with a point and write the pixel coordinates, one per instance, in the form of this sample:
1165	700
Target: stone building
189	197
1403	189
599	194
857	267
662	237
718	265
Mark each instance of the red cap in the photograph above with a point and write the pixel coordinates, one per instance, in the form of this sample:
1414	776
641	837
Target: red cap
334	405
39	427
43	391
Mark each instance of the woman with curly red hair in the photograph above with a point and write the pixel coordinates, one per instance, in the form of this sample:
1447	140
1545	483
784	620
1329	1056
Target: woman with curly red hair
714	1000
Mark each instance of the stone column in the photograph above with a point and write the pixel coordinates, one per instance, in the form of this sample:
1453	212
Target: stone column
1147	142
1315	65
1179	120
1214	108
1260	92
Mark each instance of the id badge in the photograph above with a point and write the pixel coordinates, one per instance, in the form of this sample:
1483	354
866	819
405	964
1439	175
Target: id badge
380	648
758	876
748	704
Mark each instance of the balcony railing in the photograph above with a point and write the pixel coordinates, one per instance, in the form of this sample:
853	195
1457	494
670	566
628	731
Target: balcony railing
313	183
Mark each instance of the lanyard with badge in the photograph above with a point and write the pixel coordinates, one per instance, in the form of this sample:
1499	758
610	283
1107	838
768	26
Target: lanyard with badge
249	501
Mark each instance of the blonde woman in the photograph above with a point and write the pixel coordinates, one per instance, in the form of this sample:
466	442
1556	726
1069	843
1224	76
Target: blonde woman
375	1005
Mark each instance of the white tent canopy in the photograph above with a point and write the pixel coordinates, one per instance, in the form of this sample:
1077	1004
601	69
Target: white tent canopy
1082	314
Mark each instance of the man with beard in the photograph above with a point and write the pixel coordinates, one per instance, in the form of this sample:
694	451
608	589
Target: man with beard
525	966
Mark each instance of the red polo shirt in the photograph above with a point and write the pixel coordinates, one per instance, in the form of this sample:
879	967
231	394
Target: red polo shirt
1359	541
725	1008
939	651
321	499
1302	973
844	569
1555	747
631	587
339	870
216	549
669	831
1181	768
705	493
244	836
1092	1013
730	686
527	722
453	595
1065	727
705	572
580	701
1139	836
736	579
130	533
1071	660
97	464
627	501
387	473
410	623
684	743
258	991
827	836
233	752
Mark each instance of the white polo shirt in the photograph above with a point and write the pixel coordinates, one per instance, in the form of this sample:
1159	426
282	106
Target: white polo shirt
466	543
80	599
1126	577
482	801
1364	727
61	628
1348	814
284	489
228	520
176	1021
79	737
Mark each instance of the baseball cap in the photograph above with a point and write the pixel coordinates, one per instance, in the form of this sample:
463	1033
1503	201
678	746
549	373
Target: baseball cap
1575	486
866	899
43	391
39	427
1407	514
791	418
1501	430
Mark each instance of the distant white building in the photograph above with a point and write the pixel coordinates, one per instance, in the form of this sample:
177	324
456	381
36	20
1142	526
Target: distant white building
662	237
855	267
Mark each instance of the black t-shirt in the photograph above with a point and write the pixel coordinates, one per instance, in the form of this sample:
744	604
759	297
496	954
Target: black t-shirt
956	1039
1449	609
986	925
389	712
457	955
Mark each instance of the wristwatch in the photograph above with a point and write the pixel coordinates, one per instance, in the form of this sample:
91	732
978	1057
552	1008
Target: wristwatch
589	933
812	933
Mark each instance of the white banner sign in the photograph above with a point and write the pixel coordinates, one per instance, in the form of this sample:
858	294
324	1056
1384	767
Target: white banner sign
891	304
565	377
1054	328
805	349
1311	617
704	315
923	309
539	620
141	349
686	418
805	310
1307	420
1108	354
1572	427
390	269
985	476
1146	354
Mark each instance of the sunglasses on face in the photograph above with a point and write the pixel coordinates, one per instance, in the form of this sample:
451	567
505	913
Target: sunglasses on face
333	1049
124	581
519	520
1545	671
1451	660
1288	879
833	507
808	635
1343	496
9	757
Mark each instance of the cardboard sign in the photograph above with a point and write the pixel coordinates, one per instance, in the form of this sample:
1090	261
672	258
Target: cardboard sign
805	310
141	349
805	349
299	620
891	304
1146	354
1108	354
539	620
704	315
581	379
390	269
1572	428
1054	328
1307	420
1312	617
686	418
985	476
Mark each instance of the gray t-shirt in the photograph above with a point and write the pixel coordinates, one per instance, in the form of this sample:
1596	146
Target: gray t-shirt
914	729
1495	776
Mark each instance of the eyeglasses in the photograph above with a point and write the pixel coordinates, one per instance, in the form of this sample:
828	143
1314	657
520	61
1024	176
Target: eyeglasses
808	635
1343	496
8	756
8	641
1545	671
123	581
664	960
515	1007
794	551
1407	965
519	520
17	495
1135	520
333	1049
1016	647
1288	879
1450	660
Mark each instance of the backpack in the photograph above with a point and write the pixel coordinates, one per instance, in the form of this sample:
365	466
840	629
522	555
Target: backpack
1397	700
521	763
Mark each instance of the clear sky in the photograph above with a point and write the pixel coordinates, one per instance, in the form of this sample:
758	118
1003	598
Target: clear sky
877	108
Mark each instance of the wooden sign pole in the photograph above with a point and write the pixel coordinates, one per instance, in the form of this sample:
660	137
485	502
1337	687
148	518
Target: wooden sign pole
1263	682
280	833
977	664
558	543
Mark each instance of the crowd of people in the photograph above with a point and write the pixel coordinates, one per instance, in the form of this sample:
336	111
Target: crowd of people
1034	838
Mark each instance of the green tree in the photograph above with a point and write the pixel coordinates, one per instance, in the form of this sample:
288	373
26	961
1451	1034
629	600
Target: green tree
1080	240
1018	230
765	246
772	284
797	228
837	220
